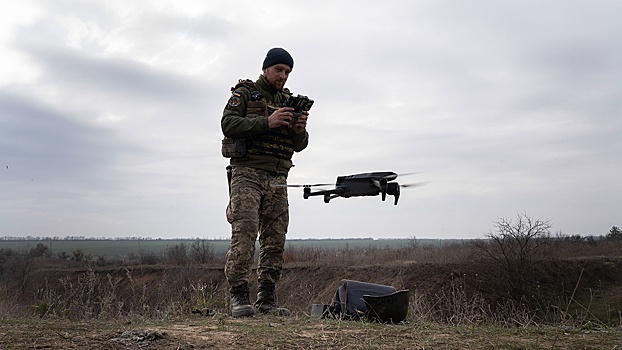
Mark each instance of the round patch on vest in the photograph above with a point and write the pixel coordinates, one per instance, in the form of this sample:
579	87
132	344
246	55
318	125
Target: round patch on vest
234	101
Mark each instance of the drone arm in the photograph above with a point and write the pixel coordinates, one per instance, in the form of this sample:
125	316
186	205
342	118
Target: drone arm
335	192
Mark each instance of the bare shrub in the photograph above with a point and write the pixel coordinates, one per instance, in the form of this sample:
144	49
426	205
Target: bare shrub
202	251
515	248
40	250
80	256
615	234
16	267
150	258
178	254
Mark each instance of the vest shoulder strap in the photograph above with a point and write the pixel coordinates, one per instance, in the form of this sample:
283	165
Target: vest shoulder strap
250	85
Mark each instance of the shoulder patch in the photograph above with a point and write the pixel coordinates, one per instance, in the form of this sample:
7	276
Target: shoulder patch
234	100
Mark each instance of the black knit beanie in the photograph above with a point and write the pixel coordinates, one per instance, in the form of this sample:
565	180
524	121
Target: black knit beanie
278	55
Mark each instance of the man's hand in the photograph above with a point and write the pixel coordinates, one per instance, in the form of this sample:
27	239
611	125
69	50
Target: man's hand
280	117
301	123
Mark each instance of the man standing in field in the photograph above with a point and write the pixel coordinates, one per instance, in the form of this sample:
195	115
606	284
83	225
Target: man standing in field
260	138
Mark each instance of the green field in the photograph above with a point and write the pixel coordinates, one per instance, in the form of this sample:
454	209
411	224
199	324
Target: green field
122	248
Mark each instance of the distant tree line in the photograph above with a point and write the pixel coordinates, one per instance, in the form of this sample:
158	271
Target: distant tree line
615	234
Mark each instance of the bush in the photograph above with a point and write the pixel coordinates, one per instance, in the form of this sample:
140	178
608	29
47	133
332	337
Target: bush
615	234
177	254
516	247
202	251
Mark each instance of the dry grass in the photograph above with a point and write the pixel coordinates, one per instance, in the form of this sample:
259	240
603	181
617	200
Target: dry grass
456	301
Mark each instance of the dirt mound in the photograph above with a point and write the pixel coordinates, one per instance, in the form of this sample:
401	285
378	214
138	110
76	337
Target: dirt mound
301	287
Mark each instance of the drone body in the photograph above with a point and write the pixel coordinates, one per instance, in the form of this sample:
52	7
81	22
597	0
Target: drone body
358	185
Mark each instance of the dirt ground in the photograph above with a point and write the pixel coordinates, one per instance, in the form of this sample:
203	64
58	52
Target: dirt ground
269	332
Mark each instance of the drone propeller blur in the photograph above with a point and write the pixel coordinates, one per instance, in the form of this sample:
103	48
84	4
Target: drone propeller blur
360	185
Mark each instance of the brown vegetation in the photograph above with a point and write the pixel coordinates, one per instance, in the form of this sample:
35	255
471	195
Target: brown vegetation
570	282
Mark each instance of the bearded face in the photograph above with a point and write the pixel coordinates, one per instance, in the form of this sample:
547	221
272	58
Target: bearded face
277	75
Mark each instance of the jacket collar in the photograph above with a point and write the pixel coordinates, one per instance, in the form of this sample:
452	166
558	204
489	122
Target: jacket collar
264	85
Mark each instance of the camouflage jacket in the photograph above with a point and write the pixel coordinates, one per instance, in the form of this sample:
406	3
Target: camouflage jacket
244	117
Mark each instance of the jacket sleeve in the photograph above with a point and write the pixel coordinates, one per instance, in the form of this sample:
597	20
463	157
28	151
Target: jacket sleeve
235	123
300	140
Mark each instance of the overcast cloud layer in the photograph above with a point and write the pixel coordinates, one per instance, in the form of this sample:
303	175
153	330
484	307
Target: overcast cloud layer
110	113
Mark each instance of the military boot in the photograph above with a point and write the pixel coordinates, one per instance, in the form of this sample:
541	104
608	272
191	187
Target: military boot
240	302
266	300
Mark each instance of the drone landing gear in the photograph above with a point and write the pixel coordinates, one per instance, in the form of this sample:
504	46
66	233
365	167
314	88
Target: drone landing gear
393	189
328	197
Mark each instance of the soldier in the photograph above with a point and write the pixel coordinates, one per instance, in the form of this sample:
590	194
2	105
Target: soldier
260	138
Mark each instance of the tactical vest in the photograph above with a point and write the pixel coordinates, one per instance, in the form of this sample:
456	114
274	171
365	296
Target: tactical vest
274	142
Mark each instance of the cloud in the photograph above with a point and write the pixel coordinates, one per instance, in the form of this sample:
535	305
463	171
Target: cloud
112	109
41	142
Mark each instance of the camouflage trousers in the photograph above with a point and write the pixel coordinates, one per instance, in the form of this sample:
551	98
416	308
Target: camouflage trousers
256	207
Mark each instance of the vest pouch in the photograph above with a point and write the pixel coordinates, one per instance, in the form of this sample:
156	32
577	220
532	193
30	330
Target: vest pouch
233	148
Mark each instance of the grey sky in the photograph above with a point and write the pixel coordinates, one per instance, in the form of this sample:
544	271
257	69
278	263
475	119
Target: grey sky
110	113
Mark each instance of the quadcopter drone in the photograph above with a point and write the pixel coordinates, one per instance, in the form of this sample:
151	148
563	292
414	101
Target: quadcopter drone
359	185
